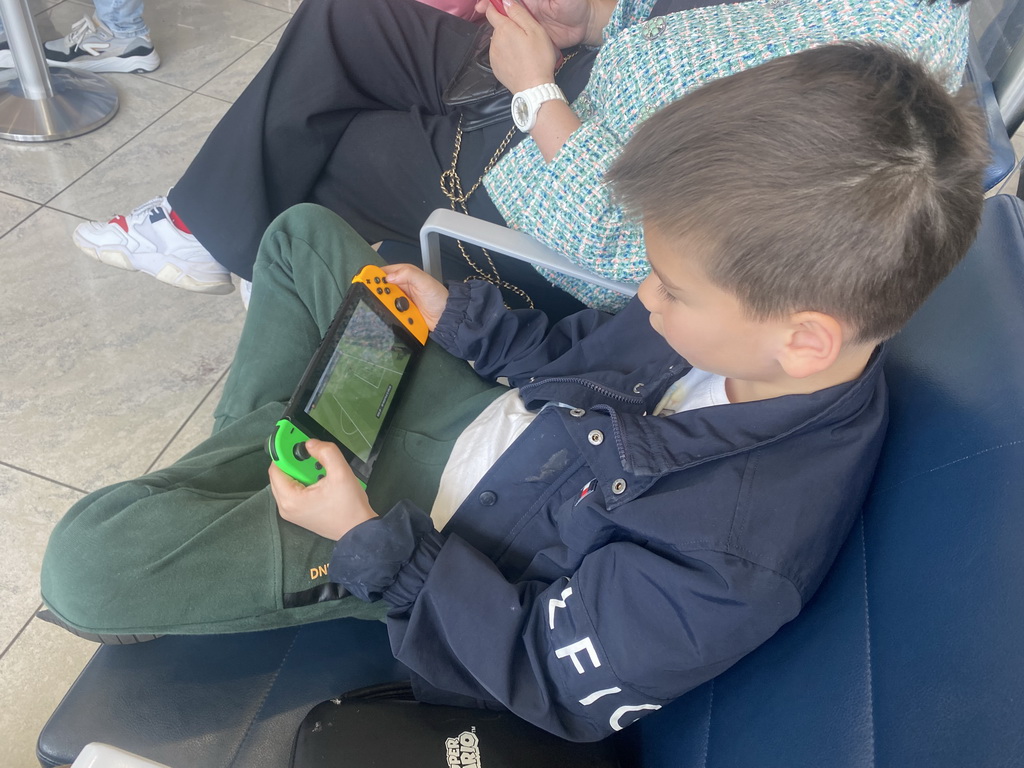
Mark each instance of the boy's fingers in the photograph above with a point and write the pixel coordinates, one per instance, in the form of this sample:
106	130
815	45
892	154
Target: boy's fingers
403	274
329	455
281	485
401	268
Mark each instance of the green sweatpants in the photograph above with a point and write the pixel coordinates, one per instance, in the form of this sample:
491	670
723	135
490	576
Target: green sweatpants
199	547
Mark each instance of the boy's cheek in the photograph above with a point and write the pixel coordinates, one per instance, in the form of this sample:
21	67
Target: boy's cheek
658	324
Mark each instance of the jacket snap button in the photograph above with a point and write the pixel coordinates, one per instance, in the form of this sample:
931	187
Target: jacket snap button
619	486
596	437
577	412
487	498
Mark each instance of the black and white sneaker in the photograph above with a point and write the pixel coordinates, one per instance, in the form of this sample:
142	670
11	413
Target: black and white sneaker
90	45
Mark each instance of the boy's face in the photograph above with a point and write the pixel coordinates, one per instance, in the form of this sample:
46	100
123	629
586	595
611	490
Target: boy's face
702	322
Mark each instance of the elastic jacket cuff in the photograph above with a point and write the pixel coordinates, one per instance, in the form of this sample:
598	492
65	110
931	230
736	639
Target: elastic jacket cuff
446	331
368	559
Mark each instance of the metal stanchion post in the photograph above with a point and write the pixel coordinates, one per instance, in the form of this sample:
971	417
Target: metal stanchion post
37	104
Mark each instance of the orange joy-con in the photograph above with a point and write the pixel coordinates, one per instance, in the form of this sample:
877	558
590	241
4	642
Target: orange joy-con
394	298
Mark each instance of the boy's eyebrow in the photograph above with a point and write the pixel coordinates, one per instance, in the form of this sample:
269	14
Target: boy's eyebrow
666	283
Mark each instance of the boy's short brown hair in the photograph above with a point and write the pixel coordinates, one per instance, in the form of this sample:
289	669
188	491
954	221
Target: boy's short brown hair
842	179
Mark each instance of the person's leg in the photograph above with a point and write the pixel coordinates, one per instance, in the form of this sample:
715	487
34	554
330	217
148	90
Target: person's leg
335	59
199	547
386	196
118	43
384	178
122	17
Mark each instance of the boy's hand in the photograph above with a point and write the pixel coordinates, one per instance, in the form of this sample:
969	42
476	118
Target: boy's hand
426	293
329	508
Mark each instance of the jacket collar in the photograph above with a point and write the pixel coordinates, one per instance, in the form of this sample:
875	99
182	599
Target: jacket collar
657	446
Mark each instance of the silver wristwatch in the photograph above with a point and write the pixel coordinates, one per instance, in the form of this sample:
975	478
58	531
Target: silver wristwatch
526	104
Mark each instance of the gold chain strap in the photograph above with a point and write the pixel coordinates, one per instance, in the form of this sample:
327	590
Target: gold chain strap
451	185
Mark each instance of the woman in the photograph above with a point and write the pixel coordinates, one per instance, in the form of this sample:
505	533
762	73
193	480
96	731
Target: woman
349	113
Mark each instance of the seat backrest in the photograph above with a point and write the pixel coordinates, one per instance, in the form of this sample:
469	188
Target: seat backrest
997	27
910	653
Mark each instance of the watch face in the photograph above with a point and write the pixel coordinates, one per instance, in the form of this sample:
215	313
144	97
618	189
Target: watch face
520	112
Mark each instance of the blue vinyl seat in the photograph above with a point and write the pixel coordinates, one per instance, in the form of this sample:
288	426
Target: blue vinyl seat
995	69
908	656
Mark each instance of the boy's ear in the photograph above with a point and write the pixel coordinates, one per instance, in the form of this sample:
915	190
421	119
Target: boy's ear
813	343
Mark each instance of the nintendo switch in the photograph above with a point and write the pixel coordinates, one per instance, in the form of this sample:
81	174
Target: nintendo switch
349	389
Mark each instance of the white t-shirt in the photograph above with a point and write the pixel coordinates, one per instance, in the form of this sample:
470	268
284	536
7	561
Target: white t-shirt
497	427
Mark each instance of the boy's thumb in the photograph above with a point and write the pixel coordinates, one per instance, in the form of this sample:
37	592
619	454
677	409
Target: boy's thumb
328	454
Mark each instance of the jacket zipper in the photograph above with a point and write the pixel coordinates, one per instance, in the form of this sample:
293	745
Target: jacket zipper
610	393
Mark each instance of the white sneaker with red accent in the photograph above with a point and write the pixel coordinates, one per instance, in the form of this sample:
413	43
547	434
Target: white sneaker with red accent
154	240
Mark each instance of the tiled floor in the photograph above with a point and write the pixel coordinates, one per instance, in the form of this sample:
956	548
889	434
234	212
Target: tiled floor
103	373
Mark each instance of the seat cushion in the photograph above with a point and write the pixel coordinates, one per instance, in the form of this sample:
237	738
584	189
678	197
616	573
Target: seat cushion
220	700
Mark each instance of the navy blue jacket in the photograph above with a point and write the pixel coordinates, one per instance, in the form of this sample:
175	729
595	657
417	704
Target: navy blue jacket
610	560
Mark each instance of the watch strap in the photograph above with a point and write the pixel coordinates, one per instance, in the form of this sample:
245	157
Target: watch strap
535	96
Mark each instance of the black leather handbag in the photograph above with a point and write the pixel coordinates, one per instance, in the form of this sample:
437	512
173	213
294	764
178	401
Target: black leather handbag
475	90
384	726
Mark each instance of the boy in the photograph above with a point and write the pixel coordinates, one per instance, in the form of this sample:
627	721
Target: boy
661	490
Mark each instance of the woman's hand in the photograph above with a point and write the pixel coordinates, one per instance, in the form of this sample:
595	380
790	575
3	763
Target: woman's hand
425	292
522	54
329	508
572	22
568	22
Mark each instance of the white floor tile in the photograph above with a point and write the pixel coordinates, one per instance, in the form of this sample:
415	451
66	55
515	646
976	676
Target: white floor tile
34	675
38	171
282	5
108	364
13	211
147	165
194	431
104	371
198	40
37	505
230	83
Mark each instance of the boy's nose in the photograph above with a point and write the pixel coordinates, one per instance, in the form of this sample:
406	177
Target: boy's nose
647	293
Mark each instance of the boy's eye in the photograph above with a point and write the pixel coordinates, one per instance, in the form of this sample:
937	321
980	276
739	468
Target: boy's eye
664	292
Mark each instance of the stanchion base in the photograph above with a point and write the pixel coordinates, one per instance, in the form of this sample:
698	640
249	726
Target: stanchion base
81	102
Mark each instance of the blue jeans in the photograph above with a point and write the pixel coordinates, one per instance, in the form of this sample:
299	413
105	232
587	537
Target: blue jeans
123	17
